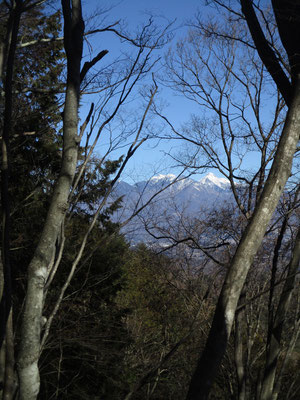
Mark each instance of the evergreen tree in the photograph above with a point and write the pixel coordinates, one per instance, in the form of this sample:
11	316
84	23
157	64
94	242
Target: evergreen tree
35	139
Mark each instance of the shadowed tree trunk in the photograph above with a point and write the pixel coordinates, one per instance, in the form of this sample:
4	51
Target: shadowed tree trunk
7	59
238	352
277	326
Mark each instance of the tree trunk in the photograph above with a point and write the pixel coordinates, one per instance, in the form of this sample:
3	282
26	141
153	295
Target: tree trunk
7	66
238	351
252	237
39	266
276	333
7	59
10	376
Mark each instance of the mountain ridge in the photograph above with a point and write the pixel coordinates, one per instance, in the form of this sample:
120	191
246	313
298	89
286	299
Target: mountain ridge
183	198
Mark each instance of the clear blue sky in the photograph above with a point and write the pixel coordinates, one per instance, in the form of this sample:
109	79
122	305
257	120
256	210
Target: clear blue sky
150	159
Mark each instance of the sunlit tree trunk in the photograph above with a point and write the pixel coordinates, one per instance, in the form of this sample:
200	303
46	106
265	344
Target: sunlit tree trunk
38	270
215	348
287	18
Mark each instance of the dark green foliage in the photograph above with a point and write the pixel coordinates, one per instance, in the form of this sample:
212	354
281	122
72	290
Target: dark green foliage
35	141
37	78
94	186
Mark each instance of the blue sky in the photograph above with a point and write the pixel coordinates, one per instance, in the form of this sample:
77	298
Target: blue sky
150	159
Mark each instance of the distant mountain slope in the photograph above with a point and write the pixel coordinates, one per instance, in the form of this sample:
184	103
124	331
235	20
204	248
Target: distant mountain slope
208	192
183	198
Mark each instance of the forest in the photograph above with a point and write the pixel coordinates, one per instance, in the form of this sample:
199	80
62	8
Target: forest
85	313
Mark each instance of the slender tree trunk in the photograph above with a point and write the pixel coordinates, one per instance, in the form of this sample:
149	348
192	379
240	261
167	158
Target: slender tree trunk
2	349
7	59
238	351
7	67
10	376
39	266
276	333
210	360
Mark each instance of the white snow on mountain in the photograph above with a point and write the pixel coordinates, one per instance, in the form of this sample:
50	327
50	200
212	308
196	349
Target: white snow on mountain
161	177
183	192
211	179
185	198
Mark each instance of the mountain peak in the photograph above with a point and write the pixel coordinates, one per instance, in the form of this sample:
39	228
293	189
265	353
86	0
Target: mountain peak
211	179
161	177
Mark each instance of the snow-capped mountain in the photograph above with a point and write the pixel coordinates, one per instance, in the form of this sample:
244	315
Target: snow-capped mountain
204	192
171	199
162	178
210	180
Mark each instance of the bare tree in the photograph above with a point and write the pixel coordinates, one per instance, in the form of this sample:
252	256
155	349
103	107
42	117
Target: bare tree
224	71
281	167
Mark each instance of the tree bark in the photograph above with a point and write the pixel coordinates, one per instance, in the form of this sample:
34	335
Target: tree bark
266	52
276	333
238	351
7	67
10	376
252	237
38	269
